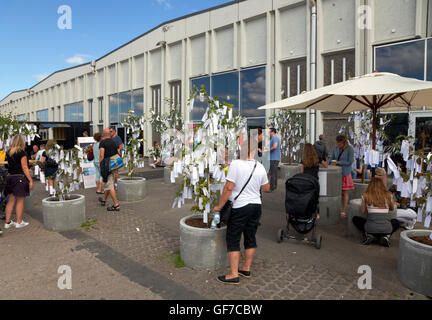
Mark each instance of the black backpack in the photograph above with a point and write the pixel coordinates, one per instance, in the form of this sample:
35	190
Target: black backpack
302	196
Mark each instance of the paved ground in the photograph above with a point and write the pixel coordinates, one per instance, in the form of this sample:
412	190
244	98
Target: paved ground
132	255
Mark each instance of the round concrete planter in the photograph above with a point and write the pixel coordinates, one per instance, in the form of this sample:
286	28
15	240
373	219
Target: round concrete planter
359	189
167	175
132	189
203	249
354	209
288	170
333	181
415	262
329	210
64	215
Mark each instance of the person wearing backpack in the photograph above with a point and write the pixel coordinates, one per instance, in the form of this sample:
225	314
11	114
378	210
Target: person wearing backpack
246	178
50	167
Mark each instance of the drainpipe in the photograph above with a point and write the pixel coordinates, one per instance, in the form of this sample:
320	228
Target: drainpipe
313	58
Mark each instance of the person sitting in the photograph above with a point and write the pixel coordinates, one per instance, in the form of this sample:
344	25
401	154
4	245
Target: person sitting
157	156
406	216
376	202
310	163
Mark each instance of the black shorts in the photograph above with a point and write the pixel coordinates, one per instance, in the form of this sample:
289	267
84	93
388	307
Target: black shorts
18	185
244	220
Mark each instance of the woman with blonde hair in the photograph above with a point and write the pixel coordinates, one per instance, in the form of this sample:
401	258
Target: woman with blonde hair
310	161
19	182
343	156
377	202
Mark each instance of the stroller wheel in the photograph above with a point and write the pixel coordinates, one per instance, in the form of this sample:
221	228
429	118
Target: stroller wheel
280	236
318	242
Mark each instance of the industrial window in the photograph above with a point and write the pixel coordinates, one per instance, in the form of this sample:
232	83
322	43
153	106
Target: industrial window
42	115
100	107
138	101
293	78
156	99
175	93
339	67
74	112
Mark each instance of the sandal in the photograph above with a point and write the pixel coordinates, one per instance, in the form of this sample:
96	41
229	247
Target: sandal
114	208
102	202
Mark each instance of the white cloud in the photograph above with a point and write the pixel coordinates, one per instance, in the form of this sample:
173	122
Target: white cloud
166	3
79	59
40	77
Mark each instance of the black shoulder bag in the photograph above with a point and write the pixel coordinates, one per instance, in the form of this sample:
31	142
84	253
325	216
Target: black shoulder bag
225	213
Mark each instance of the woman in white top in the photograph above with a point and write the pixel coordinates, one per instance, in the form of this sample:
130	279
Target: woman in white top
246	211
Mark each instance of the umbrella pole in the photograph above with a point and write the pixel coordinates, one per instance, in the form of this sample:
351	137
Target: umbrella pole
374	124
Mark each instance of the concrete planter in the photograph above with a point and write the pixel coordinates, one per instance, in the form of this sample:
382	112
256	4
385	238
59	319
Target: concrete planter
329	210
359	189
132	189
64	215
415	262
288	170
330	181
167	175
354	209
203	249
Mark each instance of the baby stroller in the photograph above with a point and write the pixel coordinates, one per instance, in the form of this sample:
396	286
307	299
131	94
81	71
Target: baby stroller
3	197
301	204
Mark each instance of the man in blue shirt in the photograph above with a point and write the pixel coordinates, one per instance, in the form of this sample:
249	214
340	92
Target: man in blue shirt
275	157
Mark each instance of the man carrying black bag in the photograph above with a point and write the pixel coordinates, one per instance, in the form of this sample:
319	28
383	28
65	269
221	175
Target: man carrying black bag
244	181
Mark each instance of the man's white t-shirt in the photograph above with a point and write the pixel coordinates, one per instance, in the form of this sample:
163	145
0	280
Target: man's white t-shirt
239	173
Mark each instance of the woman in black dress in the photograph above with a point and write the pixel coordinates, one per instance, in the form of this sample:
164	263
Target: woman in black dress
310	162
19	182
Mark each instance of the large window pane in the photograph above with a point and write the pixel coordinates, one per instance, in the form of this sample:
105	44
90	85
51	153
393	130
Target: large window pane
199	107
138	101
226	88
404	59
429	60
253	92
256	123
113	101
125	104
74	112
42	115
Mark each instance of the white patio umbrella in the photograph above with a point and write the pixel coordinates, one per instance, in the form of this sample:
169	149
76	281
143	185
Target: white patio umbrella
372	91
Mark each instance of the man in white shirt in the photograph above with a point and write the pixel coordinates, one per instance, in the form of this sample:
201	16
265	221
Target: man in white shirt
246	211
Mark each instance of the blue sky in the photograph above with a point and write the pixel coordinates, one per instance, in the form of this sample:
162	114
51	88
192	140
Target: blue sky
32	46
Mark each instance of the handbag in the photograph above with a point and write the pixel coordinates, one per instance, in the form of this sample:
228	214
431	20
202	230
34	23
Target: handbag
225	213
116	162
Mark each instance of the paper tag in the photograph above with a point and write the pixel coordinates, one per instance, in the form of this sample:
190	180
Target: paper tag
427	221
36	170
42	177
419	215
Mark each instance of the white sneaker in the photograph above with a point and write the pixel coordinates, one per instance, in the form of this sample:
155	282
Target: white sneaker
10	225
21	225
153	166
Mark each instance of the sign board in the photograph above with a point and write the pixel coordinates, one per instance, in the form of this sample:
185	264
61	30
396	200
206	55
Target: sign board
89	170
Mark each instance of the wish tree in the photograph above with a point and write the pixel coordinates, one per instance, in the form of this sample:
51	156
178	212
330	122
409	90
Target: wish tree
203	162
134	126
289	125
10	127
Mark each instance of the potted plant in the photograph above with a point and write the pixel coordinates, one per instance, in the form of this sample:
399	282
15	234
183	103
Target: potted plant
65	210
169	126
9	127
289	125
202	172
415	249
361	141
133	188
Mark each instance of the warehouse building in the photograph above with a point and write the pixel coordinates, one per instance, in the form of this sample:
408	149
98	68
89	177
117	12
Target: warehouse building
248	53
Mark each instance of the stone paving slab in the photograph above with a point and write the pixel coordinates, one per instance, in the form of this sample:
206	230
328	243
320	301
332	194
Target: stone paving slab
144	235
